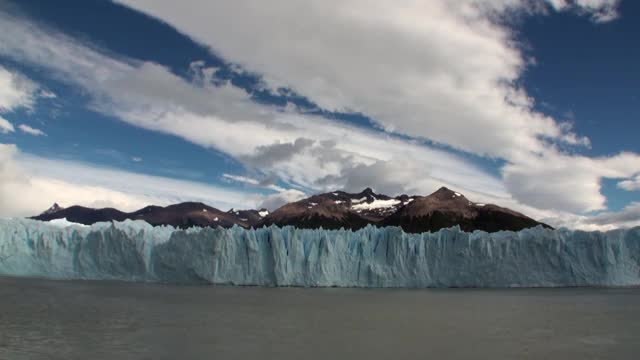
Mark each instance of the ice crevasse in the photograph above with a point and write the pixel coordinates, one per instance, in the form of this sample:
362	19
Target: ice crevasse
370	257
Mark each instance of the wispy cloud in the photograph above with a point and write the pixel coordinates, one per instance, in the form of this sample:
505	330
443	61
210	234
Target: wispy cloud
251	181
31	131
5	126
630	184
447	74
16	90
221	117
275	201
30	184
600	11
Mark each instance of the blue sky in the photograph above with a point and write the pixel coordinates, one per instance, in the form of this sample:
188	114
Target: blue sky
528	104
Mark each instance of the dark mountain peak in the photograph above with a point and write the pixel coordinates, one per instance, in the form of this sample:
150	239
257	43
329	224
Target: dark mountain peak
444	208
53	209
445	193
368	191
190	206
367	195
147	209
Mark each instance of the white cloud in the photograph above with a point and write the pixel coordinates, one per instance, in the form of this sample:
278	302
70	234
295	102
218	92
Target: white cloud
149	96
30	184
5	126
423	68
632	184
427	69
31	131
253	182
439	69
599	10
447	74
47	94
563	182
16	91
627	217
275	201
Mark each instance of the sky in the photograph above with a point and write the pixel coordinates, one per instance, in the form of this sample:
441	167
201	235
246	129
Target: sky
528	104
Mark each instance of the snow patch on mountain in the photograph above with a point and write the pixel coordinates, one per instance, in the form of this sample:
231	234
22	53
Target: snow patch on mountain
62	223
376	204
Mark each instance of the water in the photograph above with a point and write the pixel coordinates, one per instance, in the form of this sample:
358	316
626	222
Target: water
42	319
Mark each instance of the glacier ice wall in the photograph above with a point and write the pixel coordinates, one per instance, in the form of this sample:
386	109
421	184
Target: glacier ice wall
371	257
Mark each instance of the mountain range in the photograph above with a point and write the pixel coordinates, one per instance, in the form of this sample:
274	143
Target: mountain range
441	209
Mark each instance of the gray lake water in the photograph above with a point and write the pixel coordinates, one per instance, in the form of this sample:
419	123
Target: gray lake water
42	319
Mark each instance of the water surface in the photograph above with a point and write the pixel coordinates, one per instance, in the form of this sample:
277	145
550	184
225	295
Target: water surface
42	319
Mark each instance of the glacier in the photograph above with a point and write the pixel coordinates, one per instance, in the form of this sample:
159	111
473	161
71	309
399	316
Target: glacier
370	257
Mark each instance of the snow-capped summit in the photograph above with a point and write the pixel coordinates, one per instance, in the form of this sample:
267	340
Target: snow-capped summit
53	209
443	208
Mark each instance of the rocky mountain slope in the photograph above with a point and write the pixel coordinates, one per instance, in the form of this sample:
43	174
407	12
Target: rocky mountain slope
442	209
181	215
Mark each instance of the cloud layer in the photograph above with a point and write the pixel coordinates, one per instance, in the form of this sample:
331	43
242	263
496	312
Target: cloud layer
432	71
150	96
444	71
29	185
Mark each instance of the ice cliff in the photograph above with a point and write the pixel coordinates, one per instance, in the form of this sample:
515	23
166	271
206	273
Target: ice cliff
371	257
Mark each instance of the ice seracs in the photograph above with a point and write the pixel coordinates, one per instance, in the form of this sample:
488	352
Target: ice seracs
369	257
